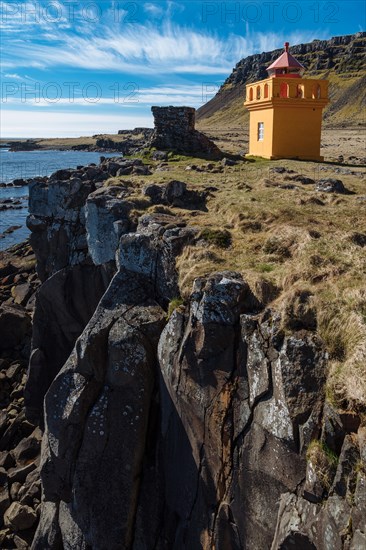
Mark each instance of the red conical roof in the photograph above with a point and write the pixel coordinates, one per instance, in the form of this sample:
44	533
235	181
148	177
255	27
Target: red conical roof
285	61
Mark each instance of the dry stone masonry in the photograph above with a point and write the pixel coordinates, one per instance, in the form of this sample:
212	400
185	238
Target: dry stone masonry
175	131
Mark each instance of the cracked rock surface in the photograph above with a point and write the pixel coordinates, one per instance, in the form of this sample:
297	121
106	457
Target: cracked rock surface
208	429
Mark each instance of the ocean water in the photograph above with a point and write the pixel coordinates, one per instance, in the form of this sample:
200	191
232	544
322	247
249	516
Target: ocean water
30	164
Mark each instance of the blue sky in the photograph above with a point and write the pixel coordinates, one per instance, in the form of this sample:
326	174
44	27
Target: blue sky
80	67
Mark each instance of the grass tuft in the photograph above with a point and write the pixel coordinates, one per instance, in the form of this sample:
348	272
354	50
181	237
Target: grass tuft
217	237
324	462
174	304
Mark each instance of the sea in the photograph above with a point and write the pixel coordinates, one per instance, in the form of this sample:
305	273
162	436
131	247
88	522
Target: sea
30	164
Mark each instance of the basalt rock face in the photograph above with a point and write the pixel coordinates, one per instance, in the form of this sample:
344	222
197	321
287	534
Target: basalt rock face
205	430
102	393
105	391
72	212
64	305
175	131
234	380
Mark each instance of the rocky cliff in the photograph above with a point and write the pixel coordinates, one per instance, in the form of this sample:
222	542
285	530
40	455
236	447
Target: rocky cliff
341	60
207	427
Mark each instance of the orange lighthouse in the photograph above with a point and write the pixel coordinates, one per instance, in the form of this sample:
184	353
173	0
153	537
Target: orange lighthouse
286	112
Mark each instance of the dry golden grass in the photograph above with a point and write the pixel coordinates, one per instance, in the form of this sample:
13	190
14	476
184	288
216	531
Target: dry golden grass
324	462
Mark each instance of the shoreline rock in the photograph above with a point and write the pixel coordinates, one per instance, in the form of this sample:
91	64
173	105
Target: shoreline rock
20	443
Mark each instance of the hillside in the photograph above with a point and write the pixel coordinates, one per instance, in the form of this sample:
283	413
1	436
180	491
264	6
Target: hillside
341	60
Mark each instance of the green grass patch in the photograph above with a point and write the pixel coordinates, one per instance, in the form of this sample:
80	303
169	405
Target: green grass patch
265	268
217	237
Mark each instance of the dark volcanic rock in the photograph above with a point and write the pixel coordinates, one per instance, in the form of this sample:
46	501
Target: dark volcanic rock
57	221
175	193
205	430
20	442
108	382
358	239
331	186
19	517
254	425
15	324
151	251
328	524
106	219
64	305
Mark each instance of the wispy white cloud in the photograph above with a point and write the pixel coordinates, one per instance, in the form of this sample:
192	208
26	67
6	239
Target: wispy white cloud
13	76
153	9
139	49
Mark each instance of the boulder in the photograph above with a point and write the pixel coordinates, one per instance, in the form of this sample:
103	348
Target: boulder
22	293
301	179
359	239
21	473
160	155
19	517
155	192
15	325
174	190
4	501
106	219
152	250
170	193
331	185
27	449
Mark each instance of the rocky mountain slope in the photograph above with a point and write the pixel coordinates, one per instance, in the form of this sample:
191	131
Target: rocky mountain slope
341	60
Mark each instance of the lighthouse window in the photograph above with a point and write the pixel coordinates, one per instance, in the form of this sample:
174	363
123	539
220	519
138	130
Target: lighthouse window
260	131
284	89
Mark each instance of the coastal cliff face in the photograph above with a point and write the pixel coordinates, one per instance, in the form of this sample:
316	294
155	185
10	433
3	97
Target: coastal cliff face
205	428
